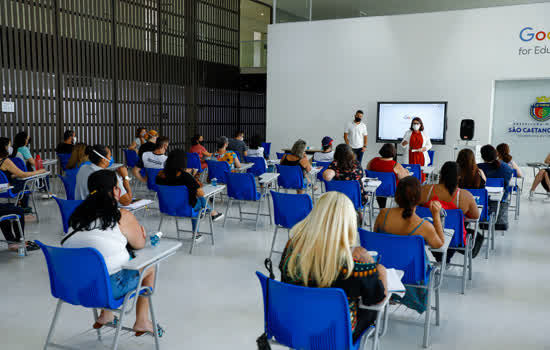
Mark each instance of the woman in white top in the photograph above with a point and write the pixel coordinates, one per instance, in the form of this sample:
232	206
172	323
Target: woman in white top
139	140
98	223
418	144
255	148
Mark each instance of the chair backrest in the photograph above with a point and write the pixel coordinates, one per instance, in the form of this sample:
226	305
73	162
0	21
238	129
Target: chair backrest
259	166
66	207
152	178
320	173
431	155
64	159
399	252
280	154
289	208
291	177
387	188
482	198
194	161
454	219
69	182
242	186
267	149
307	318
494	182
414	169
350	188
174	201
131	158
20	163
78	276
4	180
218	170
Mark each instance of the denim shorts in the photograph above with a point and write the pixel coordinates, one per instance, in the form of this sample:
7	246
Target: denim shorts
124	281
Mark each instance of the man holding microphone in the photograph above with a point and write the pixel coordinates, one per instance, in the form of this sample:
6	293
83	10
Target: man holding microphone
355	135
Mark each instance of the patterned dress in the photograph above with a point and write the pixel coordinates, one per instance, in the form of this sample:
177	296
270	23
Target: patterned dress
355	173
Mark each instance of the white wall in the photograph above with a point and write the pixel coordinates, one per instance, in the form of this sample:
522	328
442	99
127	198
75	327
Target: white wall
319	73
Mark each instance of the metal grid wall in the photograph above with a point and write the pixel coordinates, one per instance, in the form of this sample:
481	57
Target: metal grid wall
171	65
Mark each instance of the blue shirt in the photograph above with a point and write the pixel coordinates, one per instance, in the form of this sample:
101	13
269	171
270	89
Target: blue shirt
504	171
24	150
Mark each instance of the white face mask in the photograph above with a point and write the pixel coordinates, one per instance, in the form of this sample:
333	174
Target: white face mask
10	150
416	127
74	140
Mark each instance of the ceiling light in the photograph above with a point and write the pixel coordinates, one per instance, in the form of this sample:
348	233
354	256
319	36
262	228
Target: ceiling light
262	13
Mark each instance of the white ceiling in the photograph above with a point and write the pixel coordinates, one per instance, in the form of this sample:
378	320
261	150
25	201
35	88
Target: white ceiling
330	9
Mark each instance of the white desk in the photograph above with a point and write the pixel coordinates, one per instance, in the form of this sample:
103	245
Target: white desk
273	161
115	166
244	167
268	178
49	162
152	255
370	188
138	205
211	192
4	189
495	193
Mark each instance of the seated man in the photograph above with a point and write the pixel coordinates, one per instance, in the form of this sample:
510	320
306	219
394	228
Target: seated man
543	177
157	158
237	145
327	154
66	147
101	158
148	146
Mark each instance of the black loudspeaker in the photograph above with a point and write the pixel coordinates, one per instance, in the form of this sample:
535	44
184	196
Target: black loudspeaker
467	127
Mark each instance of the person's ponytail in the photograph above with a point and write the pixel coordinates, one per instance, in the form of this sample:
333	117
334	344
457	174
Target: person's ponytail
407	212
503	151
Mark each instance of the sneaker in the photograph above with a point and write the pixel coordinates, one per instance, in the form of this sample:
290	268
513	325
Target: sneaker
46	196
217	217
198	238
531	196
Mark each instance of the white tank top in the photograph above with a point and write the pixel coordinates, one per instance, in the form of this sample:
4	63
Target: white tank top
111	243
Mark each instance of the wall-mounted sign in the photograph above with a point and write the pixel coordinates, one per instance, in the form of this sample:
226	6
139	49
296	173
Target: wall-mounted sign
540	39
8	107
540	111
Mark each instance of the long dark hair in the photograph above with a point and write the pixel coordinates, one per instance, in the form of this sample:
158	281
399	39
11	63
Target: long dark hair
344	157
100	205
449	176
503	151
93	156
195	139
4	142
489	155
175	163
138	132
19	141
255	142
468	174
407	195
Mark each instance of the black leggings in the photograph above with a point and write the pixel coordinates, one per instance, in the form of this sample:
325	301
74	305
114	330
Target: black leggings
11	234
544	184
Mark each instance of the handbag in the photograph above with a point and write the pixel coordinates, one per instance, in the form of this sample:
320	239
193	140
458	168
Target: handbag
263	341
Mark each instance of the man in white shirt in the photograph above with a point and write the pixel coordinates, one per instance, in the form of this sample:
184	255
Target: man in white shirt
327	155
157	158
355	135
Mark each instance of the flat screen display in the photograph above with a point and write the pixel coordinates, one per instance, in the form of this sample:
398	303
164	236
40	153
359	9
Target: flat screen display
394	119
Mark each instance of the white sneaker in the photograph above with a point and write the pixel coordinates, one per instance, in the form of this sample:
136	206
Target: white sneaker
198	238
531	196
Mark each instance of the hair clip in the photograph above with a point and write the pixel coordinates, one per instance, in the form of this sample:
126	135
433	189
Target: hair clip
93	192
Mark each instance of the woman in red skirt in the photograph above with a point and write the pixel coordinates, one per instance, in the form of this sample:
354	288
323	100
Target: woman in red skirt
418	144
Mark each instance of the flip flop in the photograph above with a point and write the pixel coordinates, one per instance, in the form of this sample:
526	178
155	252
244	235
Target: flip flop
98	325
31	246
160	331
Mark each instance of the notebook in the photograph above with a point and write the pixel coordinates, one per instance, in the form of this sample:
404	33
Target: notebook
137	204
394	280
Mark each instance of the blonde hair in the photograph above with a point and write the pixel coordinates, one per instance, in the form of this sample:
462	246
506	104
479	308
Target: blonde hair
321	243
78	156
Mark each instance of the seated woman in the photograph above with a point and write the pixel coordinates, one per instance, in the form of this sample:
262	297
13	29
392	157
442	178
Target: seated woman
345	167
141	133
198	148
79	157
321	254
469	176
298	156
543	177
503	153
21	149
386	164
13	173
101	158
494	168
403	221
176	173
99	223
255	148
223	155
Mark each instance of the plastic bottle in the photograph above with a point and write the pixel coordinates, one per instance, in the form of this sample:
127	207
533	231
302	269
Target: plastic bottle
155	238
21	250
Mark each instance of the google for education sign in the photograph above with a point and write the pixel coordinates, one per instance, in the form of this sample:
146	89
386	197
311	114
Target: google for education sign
540	39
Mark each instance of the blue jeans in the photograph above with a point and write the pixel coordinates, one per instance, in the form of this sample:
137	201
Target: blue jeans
201	203
123	281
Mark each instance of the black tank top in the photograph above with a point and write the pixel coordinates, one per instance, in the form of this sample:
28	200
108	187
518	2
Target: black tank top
286	161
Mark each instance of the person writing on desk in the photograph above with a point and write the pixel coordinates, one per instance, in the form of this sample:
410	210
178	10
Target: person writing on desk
355	136
418	144
99	223
543	177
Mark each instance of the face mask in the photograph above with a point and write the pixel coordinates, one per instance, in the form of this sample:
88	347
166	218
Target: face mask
74	140
111	161
357	119
416	127
10	150
143	134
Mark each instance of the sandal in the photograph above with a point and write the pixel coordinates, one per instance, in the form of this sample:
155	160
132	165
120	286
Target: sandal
31	246
98	325
160	332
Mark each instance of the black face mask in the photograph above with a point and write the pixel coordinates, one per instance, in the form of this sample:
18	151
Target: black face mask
357	119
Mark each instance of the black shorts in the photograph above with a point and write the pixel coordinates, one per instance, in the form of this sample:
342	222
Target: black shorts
544	184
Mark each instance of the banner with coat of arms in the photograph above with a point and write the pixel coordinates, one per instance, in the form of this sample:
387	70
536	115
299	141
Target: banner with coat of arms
540	111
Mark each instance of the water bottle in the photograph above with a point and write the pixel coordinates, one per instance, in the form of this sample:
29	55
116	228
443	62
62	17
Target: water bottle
314	164
21	250
214	182
155	238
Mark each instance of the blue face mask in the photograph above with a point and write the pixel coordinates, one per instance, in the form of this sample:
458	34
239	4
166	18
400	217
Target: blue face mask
111	161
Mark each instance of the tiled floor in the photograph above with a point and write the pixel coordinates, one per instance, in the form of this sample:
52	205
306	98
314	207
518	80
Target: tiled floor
211	300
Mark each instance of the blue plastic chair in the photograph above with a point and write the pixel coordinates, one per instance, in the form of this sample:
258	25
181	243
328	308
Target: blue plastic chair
194	161
388	186
218	170
515	188
132	158
14	219
242	188
267	149
66	208
280	155
79	277
64	159
69	182
152	178
28	187
309	318
482	199
174	201
259	167
292	177
494	182
9	194
288	210
324	166
431	155
407	253
415	169
352	189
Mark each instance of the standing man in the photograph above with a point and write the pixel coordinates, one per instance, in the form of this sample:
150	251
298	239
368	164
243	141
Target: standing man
355	135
